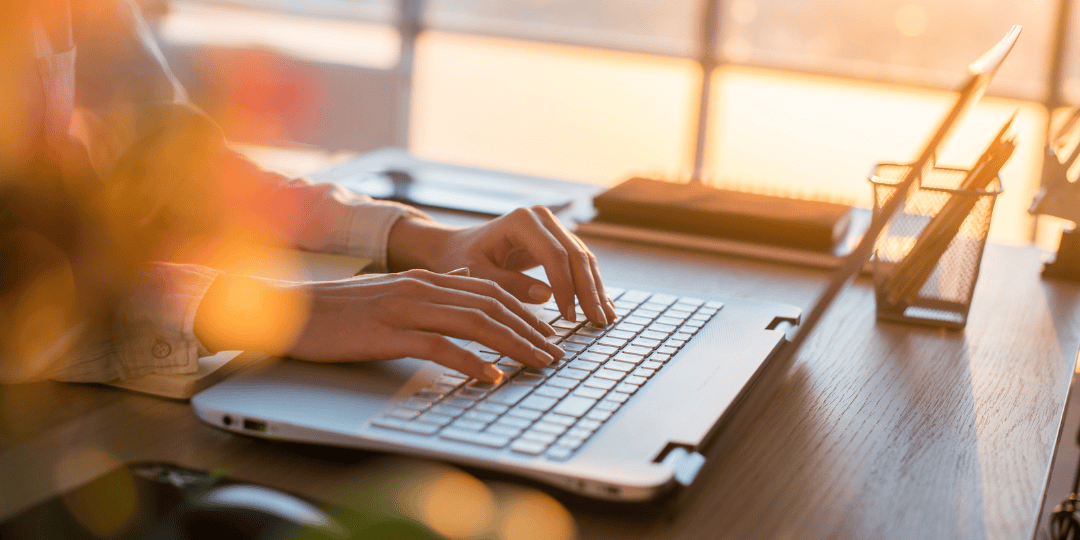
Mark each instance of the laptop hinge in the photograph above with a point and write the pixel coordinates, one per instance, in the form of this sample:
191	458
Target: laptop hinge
686	464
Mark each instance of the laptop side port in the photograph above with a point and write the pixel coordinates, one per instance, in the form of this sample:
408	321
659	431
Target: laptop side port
254	425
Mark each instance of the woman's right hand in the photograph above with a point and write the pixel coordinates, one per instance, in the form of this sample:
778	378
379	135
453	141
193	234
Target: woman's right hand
375	317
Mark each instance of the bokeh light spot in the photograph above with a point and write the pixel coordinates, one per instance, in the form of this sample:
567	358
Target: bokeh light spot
457	505
534	515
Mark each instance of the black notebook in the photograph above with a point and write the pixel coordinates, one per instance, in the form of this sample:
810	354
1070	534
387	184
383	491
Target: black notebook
697	209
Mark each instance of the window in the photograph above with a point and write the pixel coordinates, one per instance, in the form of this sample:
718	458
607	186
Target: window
805	97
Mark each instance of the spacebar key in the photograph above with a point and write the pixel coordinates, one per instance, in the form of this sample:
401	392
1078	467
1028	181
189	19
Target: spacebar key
483	439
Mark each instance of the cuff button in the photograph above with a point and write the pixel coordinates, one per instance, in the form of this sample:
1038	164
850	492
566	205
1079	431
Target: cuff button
161	349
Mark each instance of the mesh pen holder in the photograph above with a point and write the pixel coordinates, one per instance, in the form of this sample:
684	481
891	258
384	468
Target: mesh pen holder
907	288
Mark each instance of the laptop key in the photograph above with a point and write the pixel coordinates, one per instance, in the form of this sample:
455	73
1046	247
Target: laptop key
539	436
612	341
513	422
437	419
504	430
571	373
634	349
587	392
651	364
591	330
403	425
492	440
525	446
635	380
575	406
627	357
551	391
561	382
584	365
578	338
527	378
665	328
618	397
599	415
603	384
645	342
494	408
538	403
403	413
603	349
609	374
572	347
529	414
619	366
473	425
459	402
510	394
579	433
570	442
556	418
448	410
550	427
559	453
481	416
627	388
450	380
608	405
588	425
665	299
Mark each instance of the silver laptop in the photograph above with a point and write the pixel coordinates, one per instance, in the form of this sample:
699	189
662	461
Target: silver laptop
627	415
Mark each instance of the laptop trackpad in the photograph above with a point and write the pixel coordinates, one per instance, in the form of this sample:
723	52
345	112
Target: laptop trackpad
328	396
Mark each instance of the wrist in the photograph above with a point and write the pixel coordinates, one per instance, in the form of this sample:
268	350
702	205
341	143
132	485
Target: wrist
416	242
251	314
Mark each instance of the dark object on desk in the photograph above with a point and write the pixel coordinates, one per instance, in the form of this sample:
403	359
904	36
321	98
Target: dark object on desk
698	209
1066	264
157	501
1058	516
476	195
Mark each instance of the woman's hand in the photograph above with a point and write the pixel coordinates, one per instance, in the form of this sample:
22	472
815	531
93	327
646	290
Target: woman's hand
501	249
381	316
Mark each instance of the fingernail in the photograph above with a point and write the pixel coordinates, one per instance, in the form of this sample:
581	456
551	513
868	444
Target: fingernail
548	330
569	314
493	374
544	357
539	293
603	316
463	271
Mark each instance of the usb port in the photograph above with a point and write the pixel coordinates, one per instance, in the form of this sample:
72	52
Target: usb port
255	425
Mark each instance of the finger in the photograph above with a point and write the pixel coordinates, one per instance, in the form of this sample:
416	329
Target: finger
476	325
534	236
581	263
489	298
522	286
488	288
442	351
601	293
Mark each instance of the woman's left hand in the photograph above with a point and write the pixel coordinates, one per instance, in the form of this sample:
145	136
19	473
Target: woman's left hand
501	249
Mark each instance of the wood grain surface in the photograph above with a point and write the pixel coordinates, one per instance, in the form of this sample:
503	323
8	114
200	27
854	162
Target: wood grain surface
881	430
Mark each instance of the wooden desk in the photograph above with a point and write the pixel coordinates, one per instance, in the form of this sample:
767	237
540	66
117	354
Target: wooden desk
881	431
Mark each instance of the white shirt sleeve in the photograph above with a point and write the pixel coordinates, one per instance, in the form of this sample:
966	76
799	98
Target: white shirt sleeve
155	334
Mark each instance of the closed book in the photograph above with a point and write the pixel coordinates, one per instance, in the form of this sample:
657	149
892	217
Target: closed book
698	209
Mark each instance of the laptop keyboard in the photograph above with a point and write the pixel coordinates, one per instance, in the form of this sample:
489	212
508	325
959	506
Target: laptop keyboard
554	410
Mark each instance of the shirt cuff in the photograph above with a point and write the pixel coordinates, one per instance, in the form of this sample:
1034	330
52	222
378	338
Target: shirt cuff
157	334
